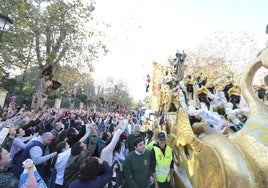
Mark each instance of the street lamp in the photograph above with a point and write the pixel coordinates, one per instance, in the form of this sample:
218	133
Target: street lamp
5	22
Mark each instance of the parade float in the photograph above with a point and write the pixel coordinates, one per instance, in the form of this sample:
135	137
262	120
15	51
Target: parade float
233	161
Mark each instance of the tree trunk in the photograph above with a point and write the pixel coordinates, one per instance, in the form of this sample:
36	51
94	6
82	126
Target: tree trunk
44	88
71	101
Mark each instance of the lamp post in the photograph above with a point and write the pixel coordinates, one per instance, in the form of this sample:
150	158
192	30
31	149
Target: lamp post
5	22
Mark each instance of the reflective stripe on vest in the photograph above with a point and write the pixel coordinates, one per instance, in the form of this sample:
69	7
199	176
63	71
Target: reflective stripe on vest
149	145
162	169
142	129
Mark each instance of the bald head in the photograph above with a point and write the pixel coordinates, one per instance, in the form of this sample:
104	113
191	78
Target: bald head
47	137
136	130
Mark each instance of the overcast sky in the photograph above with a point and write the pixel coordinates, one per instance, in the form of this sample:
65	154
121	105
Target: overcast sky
146	30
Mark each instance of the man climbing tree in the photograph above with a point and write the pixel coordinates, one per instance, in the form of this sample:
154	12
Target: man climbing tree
48	35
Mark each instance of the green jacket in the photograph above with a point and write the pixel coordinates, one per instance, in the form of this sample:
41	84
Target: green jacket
130	140
136	169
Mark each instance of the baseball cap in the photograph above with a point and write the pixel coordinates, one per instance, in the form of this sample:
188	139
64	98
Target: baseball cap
161	135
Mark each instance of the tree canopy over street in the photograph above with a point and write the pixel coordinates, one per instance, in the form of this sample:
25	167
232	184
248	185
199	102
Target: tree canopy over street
49	34
51	48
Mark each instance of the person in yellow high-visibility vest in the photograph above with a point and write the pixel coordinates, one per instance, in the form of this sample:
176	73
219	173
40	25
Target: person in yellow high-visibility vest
162	164
149	140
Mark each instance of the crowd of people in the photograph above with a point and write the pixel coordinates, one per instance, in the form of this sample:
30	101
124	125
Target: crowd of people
214	110
81	148
86	148
213	105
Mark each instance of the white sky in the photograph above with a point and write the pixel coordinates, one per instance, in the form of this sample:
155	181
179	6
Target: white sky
146	30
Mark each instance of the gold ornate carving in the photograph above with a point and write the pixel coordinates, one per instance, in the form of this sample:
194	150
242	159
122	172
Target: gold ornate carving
184	132
239	160
213	161
257	124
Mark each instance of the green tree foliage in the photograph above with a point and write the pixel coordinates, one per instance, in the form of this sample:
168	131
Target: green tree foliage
50	33
114	94
73	80
69	76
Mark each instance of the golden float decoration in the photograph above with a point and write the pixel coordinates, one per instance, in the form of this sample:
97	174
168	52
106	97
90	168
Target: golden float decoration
239	160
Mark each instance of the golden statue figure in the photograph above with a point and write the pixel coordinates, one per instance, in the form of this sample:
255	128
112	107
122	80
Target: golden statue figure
234	161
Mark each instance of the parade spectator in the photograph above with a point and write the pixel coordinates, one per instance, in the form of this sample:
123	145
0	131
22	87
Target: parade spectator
57	128
90	174
92	141
136	167
146	125
35	150
73	135
130	126
30	181
107	152
112	122
34	120
11	111
132	137
118	158
4	129
7	179
62	136
59	163
105	136
106	124
7	143
18	143
113	145
78	153
30	178
123	140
